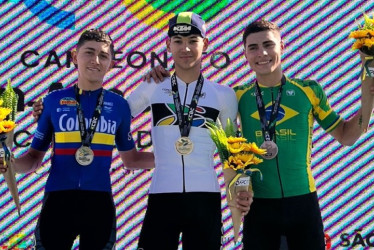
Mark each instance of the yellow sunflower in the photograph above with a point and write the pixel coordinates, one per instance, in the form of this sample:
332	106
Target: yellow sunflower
245	158
257	160
235	148
7	126
255	149
358	34
235	139
368	42
4	112
357	45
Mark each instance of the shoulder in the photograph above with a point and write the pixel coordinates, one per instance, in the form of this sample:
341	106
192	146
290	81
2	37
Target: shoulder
303	83
116	100
312	90
114	96
59	95
222	89
243	87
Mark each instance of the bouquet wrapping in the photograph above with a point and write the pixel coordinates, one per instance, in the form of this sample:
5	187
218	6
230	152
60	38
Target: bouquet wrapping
238	157
8	109
365	43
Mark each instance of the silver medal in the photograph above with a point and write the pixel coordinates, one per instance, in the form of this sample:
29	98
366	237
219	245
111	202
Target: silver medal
84	155
271	150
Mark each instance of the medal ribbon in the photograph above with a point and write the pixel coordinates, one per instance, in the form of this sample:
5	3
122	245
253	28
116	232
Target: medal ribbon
185	124
87	134
268	127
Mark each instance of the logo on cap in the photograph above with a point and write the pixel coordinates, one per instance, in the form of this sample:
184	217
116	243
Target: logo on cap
182	28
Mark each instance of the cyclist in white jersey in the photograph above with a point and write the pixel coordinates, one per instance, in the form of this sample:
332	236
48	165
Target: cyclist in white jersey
184	194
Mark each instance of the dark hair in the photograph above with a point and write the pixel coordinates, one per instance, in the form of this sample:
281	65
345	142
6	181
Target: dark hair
98	36
258	26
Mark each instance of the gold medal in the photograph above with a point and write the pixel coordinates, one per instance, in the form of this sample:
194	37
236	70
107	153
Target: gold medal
184	145
84	155
271	149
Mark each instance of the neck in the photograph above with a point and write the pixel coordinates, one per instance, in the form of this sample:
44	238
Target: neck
84	85
188	75
270	80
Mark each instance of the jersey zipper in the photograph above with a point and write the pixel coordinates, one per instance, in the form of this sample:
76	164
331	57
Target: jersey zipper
184	104
276	157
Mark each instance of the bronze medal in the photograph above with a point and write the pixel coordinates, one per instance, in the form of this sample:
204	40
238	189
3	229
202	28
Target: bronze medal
184	145
84	155
271	149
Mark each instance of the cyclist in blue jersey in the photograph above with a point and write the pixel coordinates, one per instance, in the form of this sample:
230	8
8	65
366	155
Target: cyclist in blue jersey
83	122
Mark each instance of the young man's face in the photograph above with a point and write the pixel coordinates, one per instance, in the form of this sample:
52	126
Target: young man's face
263	51
94	60
187	50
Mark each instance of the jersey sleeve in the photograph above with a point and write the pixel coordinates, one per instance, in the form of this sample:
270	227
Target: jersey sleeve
322	111
123	138
139	100
229	105
43	134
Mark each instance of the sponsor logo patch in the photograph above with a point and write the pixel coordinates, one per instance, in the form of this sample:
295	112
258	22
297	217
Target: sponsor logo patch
69	101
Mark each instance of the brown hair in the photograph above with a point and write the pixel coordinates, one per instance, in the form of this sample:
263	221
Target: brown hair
98	36
258	26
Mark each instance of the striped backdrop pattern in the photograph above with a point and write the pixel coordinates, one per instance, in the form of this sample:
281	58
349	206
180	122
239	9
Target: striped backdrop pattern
316	47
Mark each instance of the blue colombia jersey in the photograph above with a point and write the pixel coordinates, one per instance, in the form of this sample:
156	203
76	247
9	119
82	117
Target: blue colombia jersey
59	122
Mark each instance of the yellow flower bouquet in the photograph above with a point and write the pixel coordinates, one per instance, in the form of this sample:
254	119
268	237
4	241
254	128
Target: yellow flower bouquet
8	109
364	36
365	43
238	158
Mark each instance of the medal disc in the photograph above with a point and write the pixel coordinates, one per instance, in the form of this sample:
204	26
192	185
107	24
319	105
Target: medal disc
84	155
184	145
271	150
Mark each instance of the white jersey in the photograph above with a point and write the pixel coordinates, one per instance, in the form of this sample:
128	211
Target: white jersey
173	172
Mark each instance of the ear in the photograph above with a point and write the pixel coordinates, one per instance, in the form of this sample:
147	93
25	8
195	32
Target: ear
112	63
168	41
206	43
74	56
282	46
245	52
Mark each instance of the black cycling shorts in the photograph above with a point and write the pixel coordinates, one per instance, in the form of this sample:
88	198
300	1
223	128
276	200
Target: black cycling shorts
196	215
298	218
67	214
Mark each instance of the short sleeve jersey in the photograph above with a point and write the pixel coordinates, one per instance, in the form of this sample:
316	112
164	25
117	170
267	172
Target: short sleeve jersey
303	102
175	173
59	123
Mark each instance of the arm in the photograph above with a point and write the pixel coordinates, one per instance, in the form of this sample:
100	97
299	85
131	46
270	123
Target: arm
348	132
157	74
229	105
133	159
27	163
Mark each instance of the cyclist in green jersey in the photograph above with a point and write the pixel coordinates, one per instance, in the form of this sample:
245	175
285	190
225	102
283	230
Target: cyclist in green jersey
285	202
278	112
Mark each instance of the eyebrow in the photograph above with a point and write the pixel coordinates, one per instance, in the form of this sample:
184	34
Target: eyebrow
256	44
189	37
92	49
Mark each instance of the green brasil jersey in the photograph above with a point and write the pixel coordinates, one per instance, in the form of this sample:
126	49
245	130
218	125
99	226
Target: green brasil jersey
289	174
